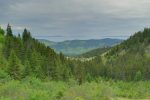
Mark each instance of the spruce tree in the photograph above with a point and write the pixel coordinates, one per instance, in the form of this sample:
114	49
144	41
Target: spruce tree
2	31
3	62
27	69
26	35
14	67
9	31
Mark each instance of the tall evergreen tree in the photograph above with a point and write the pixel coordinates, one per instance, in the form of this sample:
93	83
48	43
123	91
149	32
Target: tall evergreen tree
27	69
26	35
15	67
2	31
3	62
9	31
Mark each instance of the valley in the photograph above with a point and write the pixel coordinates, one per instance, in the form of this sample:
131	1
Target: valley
78	47
31	70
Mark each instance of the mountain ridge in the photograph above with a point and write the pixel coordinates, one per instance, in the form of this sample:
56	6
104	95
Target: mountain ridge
76	47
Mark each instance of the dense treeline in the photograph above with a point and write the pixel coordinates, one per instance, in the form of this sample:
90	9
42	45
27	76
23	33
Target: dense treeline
23	56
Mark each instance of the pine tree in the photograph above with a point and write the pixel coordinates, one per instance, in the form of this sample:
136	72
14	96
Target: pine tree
79	72
138	76
14	67
2	31
8	45
27	69
3	62
26	35
9	31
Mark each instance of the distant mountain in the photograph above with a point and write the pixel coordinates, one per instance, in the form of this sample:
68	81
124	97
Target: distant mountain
76	47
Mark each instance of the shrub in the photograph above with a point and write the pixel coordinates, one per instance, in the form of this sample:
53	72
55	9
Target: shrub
138	76
4	77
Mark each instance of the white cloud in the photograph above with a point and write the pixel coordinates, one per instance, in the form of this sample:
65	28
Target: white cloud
114	7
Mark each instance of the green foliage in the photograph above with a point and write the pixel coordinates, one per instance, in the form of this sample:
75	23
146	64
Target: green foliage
4	77
26	35
42	74
138	76
3	62
9	31
1	36
32	88
2	32
132	90
14	68
126	61
27	69
1	39
95	52
31	58
88	91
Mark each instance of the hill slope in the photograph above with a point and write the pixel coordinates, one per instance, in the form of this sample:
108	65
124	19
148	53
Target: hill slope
23	56
139	43
95	52
129	60
76	47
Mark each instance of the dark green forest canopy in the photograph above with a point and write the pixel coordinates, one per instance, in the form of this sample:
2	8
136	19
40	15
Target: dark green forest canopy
23	56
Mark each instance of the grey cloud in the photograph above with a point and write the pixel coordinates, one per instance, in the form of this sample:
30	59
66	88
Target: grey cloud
76	18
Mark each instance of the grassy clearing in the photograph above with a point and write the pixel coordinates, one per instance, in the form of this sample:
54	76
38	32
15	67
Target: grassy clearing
34	89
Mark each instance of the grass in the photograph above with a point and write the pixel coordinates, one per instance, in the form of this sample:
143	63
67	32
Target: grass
34	89
31	89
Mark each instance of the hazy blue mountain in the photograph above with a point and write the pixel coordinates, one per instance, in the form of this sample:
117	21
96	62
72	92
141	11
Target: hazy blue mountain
76	47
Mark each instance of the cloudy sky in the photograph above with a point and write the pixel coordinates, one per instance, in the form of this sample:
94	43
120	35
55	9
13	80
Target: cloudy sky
59	20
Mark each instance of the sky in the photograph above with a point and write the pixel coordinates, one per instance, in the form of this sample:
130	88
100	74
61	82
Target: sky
59	20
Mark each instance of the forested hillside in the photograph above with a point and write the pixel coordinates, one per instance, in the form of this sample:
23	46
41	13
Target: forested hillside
131	57
95	52
29	70
128	61
23	56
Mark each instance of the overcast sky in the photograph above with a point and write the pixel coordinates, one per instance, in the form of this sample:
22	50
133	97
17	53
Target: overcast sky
59	20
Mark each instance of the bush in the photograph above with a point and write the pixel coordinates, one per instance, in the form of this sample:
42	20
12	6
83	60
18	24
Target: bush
4	77
138	76
34	89
88	91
